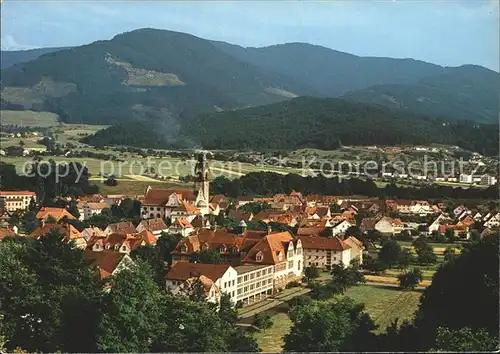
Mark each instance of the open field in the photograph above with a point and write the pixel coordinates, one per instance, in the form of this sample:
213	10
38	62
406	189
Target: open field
131	187
383	305
28	118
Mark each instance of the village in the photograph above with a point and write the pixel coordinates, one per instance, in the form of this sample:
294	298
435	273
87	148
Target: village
293	232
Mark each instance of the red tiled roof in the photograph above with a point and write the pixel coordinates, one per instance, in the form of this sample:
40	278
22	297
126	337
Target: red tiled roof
125	227
57	213
160	196
323	243
184	270
270	246
69	231
306	231
106	261
20	193
153	224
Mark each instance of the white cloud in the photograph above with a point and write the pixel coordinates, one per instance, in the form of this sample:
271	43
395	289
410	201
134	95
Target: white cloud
10	43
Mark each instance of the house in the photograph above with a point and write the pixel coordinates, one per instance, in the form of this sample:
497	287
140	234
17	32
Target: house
121	242
324	252
283	252
108	262
180	226
114	199
340	228
242	200
492	221
69	232
459	210
156	226
385	225
159	203
357	248
240	215
200	222
17	200
125	227
222	275
254	282
56	213
92	231
91	208
434	226
185	211
210	289
314	231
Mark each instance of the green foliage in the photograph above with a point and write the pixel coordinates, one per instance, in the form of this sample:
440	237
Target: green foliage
471	278
262	321
324	123
49	297
345	277
210	256
152	256
390	253
465	340
405	258
166	243
310	273
329	326
449	254
255	207
410	279
425	252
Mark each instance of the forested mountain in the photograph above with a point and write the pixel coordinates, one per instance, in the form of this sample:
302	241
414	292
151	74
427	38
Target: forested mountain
330	72
9	58
467	92
142	73
164	75
307	122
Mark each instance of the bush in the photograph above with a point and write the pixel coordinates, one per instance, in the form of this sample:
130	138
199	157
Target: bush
262	321
292	284
410	279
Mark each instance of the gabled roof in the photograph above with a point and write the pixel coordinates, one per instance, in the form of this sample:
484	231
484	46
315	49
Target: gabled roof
323	243
307	231
353	241
106	261
184	270
68	230
160	196
270	247
200	221
188	207
153	225
125	227
96	206
182	223
57	213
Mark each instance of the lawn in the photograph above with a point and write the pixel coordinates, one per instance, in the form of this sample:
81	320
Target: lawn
383	305
28	118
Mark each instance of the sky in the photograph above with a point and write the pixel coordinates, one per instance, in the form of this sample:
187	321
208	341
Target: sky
444	32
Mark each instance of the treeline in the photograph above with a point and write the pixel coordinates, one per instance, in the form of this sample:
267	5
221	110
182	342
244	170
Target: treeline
306	122
53	301
49	179
270	183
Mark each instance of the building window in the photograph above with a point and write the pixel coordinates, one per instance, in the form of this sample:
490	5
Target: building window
239	280
232	282
252	276
184	249
158	215
225	284
258	274
257	284
298	265
259	257
158	209
246	288
239	292
269	281
245	278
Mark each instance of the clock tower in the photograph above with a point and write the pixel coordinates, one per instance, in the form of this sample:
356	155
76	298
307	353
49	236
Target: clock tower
202	183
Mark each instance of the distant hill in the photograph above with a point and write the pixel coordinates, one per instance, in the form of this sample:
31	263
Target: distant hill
467	92
142	74
306	122
158	75
9	58
330	72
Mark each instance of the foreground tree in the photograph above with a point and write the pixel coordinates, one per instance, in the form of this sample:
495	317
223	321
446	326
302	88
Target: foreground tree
132	309
465	340
471	278
329	327
49	297
343	278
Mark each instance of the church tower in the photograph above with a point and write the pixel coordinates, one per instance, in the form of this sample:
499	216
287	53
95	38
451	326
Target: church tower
202	183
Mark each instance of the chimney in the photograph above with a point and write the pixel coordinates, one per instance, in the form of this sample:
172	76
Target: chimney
215	226
43	222
269	229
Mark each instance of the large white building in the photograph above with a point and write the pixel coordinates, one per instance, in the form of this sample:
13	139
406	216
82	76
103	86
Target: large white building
17	200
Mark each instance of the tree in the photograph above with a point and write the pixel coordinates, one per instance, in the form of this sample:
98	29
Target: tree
450	234
471	278
353	231
132	315
311	272
166	243
50	220
49	296
262	321
405	236
390	253
330	326
153	257
210	256
73	208
255	207
425	252
227	312
343	278
405	258
465	340
111	181
449	254
410	279
374	264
